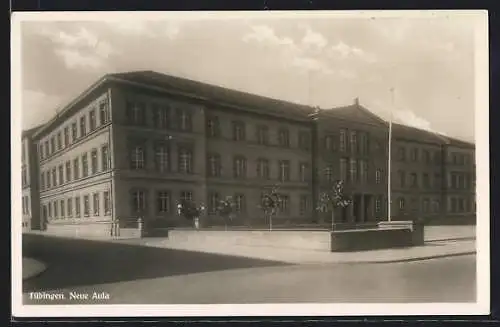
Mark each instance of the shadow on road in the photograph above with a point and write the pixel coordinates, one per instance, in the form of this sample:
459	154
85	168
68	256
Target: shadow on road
76	262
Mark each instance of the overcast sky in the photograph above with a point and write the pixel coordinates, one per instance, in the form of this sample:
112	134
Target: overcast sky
308	59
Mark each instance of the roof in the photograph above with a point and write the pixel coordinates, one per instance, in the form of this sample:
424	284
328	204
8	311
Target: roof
460	143
217	94
31	131
401	131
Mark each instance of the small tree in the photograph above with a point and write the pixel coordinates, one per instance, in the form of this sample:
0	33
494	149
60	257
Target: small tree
225	209
189	210
332	199
270	204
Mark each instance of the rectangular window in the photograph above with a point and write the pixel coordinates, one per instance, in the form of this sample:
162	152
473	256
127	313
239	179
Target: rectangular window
61	174
213	202
213	126
160	116
363	171
52	144
214	165
283	205
262	135
83	127
186	196
426	156
414	154
185	120
304	140
138	201
343	169
95	204
343	141
136	113
42	153
378	204
402	178
47	175
354	142
59	141
353	171
401	204
425	180
437	181
425	205
54	177
185	160
378	176
283	137
304	205
104	112
76	170
107	203
163	202
92	120
56	210
401	154
303	172
42	181
74	132
85	166
49	206
86	206
239	203
77	206
414	180
63	210
69	207
137	157
47	149
329	174
66	136
239	168
284	166
93	161
329	143
162	157
239	131
105	157
263	168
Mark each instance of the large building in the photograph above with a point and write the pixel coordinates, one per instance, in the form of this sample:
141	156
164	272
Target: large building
134	144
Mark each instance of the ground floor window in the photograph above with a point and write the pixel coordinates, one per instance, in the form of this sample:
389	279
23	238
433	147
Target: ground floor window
213	203
186	196
77	207
138	201
163	202
86	206
304	204
239	203
95	204
107	203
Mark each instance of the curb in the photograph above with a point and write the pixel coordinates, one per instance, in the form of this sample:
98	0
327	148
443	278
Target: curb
38	270
430	257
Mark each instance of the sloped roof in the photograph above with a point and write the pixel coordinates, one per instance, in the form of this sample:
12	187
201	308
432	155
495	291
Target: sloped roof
217	93
352	112
31	131
410	133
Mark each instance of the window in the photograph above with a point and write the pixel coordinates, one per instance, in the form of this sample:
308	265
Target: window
107	203
74	132
436	206
461	205
185	120
283	137
214	165
437	157
304	205
402	178
138	201
42	180
239	203
83	128
401	204
426	156
63	210
59	141
105	157
160	116
378	176
304	140
343	141
238	131
86	206
363	143
136	113
354	142
47	149
213	203
425	205
104	112
329	174
92	120
185	160
162	157
343	169
437	181
76	170
263	135
425	180
239	167
303	172
85	166
353	171
137	157
40	149
93	161
329	143
401	154
61	174
95	204
24	177
263	168
163	202
54	177
47	174
378	204
49	206
69	207
414	180
66	136
213	126
56	211
414	154
186	196
284	166
283	204
363	170
52	144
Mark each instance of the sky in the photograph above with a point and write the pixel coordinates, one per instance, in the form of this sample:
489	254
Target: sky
307	58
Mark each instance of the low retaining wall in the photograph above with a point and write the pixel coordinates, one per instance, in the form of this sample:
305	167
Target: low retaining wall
371	239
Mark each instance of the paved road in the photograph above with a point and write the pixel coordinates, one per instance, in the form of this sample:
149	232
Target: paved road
142	275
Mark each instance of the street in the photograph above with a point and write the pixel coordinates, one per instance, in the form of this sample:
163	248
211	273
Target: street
129	274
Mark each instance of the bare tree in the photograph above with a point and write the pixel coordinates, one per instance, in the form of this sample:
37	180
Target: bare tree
332	199
270	204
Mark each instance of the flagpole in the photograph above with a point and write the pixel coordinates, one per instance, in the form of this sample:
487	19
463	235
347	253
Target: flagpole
389	201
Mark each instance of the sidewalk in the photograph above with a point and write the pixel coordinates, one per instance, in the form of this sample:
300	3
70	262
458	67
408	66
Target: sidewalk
32	268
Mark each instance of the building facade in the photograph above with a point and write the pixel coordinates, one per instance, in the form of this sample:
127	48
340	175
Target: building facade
29	182
134	144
